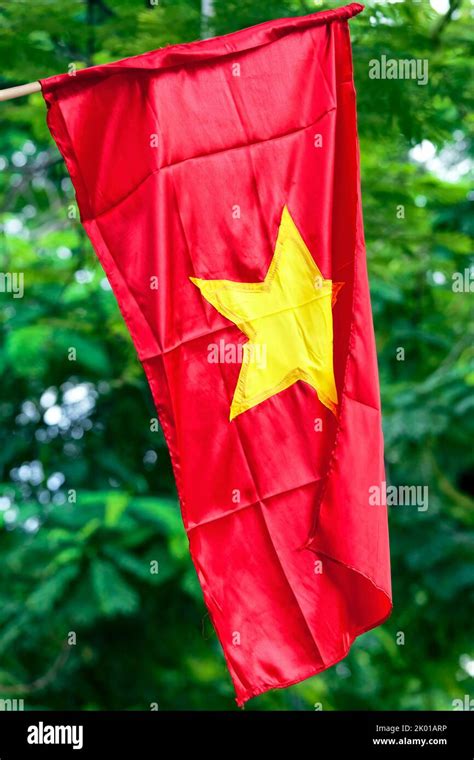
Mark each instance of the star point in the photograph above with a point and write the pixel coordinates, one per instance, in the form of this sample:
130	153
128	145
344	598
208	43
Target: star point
289	316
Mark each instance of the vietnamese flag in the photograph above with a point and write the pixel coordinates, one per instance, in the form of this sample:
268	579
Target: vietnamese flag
218	182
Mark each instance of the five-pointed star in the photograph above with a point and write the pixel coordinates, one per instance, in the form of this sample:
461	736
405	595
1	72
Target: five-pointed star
288	320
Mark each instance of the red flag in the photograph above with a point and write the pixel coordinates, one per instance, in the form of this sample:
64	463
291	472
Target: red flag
219	184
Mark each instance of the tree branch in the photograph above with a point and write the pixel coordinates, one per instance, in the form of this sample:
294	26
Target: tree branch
44	680
438	30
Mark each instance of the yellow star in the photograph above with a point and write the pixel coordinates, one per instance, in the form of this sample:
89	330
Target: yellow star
288	320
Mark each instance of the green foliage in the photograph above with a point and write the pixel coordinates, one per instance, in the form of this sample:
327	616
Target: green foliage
85	566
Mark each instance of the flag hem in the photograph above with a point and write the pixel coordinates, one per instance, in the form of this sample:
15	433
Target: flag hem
214	47
241	701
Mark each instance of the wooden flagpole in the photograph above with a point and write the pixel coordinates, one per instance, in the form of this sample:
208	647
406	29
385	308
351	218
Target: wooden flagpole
207	11
17	92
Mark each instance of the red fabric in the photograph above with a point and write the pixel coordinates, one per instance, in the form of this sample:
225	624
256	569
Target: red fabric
166	212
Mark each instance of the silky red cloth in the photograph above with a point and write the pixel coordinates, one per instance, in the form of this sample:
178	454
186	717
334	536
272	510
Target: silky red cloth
161	148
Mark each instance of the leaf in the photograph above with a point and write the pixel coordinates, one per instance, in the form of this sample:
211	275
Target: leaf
43	598
30	350
26	350
163	512
89	529
82	607
140	567
190	584
115	506
114	594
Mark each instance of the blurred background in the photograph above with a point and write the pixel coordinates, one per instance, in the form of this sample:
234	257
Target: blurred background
87	497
